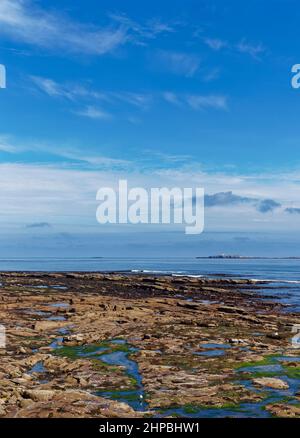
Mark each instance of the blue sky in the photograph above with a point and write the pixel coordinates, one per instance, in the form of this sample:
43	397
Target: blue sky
193	93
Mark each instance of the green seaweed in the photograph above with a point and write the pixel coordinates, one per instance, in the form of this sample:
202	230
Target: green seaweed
292	372
102	366
83	351
287	371
133	381
192	408
268	360
117	395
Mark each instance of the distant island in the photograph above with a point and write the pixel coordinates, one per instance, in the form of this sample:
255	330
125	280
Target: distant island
239	257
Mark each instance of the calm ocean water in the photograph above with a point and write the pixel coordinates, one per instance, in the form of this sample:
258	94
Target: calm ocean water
281	269
284	275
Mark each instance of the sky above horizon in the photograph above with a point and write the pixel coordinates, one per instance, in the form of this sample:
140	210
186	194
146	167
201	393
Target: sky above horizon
163	93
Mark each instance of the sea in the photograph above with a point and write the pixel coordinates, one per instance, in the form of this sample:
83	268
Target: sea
281	277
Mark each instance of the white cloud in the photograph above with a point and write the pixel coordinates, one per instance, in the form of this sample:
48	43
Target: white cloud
80	156
243	46
93	159
202	102
211	75
179	63
197	102
94	113
171	98
79	92
59	194
50	87
149	30
21	20
253	50
142	101
216	43
139	100
157	26
24	21
6	145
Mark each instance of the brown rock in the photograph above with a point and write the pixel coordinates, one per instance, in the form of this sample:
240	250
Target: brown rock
271	382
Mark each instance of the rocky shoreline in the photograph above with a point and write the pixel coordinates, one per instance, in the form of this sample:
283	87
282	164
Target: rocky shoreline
118	345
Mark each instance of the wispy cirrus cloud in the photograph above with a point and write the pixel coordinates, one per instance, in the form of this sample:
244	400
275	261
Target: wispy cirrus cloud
139	100
91	99
94	160
94	113
69	91
23	20
197	102
172	98
51	87
255	50
179	63
216	43
148	30
79	92
6	145
77	156
202	102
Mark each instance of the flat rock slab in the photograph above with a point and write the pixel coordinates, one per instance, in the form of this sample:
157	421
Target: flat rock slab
271	382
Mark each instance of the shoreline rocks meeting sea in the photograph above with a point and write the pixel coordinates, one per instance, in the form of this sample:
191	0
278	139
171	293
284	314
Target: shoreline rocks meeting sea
109	345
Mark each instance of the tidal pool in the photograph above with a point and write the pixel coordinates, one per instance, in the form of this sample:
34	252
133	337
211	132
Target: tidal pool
115	352
119	353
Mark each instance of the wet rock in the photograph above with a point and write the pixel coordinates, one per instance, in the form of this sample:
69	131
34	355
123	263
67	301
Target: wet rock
283	410
165	334
237	341
190	306
229	309
48	325
76	404
271	382
38	394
